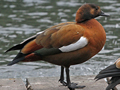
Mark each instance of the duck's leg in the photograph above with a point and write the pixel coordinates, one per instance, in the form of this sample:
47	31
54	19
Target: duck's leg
62	77
70	85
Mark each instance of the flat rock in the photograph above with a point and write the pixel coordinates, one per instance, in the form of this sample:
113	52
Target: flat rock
12	84
51	83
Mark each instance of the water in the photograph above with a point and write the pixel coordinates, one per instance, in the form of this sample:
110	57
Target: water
20	19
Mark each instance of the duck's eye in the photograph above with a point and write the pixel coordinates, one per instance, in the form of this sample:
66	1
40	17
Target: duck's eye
96	8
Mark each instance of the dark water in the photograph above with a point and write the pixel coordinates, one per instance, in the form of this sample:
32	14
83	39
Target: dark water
19	19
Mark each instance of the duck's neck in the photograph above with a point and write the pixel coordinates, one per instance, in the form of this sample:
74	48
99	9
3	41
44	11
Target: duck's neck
82	16
78	19
87	22
81	21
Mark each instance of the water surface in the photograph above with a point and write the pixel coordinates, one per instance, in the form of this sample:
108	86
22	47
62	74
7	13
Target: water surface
20	19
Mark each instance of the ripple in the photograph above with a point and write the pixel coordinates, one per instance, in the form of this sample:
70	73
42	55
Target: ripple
111	37
37	1
45	21
108	7
71	4
12	6
112	26
11	16
61	14
11	0
43	7
18	19
38	13
1	14
4	40
12	36
15	11
114	19
106	1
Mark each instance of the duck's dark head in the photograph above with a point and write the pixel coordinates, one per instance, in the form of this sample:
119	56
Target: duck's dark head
87	12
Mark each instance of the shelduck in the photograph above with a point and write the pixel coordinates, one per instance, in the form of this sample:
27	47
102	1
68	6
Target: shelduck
66	44
112	71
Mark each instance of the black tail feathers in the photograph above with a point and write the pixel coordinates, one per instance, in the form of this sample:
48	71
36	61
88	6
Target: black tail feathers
16	47
18	58
110	71
22	44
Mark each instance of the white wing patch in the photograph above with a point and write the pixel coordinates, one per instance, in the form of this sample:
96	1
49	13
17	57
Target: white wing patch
40	32
32	37
83	41
28	39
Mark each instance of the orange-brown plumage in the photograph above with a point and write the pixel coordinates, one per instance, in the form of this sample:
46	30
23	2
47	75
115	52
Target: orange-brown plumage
31	47
96	37
31	57
67	43
54	36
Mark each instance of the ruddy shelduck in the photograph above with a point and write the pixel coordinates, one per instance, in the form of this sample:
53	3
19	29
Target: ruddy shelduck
66	44
112	71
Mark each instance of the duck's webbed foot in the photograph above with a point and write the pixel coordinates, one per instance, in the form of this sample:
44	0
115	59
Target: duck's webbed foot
63	82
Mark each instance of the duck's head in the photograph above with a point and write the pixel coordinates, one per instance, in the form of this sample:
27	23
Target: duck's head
87	12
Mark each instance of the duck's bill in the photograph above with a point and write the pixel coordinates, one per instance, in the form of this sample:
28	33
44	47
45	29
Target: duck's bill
104	14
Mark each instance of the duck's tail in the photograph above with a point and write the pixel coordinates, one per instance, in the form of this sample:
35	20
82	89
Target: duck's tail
110	71
18	58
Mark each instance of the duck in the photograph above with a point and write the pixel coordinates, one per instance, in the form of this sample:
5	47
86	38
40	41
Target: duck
65	44
112	71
